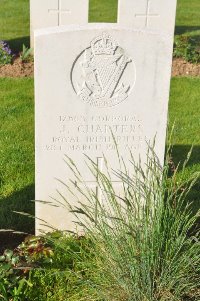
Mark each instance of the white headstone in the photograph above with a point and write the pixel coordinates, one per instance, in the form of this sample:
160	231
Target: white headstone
50	13
157	15
88	80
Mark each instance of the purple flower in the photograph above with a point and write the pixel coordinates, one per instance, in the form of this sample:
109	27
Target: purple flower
5	53
5	47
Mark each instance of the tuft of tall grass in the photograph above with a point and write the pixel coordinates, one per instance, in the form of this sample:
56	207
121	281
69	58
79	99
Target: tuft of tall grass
145	240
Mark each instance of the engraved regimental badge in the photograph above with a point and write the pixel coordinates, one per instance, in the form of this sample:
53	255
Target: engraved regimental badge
103	75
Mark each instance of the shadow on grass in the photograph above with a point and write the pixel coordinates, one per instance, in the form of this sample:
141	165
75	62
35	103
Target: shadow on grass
185	29
19	201
180	152
10	241
16	44
179	155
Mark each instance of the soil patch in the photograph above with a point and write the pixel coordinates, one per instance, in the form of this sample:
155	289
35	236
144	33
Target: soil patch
19	69
182	68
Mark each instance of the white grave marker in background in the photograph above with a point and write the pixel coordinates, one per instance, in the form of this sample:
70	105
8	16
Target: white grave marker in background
90	79
50	13
157	15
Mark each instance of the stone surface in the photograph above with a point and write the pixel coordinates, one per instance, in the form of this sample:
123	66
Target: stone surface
50	13
157	15
88	80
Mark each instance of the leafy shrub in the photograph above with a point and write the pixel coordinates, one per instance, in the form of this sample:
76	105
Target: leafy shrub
67	277
26	54
13	284
15	267
54	267
35	249
5	53
187	48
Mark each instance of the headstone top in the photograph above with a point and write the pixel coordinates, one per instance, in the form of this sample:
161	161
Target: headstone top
147	14
50	13
102	26
59	11
158	15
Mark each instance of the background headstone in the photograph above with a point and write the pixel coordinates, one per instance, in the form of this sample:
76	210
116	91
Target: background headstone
110	77
157	15
50	13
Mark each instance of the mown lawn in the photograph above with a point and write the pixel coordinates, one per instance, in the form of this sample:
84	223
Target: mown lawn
188	17
14	18
17	142
184	115
17	152
14	22
103	11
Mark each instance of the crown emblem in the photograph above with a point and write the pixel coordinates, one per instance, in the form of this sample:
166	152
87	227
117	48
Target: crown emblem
104	45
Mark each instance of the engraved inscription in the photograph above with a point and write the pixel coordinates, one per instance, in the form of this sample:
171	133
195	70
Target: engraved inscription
147	14
103	75
76	133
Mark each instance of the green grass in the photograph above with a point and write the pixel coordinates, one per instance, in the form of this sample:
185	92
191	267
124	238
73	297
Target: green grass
14	18
184	112
188	17
14	22
17	151
103	11
17	142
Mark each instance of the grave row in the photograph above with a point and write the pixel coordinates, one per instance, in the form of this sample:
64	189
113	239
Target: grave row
152	14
